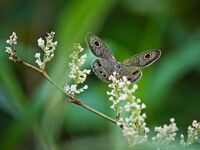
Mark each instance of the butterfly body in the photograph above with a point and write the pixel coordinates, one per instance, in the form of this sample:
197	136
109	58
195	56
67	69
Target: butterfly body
106	64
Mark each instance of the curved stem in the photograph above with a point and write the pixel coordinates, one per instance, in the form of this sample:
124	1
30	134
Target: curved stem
72	99
78	102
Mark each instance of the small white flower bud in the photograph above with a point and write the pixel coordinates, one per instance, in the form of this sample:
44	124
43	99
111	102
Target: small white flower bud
41	43
73	87
172	120
37	55
9	50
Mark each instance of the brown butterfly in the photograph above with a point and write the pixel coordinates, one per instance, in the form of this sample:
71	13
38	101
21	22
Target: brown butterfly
106	64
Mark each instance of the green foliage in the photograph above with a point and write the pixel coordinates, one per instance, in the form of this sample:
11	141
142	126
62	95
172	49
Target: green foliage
34	114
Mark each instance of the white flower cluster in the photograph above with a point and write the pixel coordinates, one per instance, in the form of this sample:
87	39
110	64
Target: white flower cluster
134	126
192	136
165	134
12	41
48	48
78	76
117	95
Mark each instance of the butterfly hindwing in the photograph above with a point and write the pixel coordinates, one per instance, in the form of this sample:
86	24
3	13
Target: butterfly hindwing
132	73
102	68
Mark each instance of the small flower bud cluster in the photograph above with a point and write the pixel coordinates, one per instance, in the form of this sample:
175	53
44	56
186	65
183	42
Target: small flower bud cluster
192	136
48	48
12	41
165	134
78	76
134	126
117	95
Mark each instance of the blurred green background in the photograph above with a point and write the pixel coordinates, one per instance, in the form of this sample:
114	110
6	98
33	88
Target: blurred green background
35	115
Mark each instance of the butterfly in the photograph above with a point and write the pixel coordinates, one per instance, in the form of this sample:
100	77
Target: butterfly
106	64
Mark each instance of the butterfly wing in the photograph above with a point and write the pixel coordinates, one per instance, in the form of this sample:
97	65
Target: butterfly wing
103	69
132	73
143	59
98	48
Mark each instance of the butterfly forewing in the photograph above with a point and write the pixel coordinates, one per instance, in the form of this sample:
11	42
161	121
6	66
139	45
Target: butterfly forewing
98	48
143	59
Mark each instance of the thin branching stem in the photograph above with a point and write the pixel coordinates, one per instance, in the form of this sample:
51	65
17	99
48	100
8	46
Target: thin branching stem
72	99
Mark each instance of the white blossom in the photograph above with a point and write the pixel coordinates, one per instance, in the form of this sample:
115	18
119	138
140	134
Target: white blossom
38	60
166	134
78	76
67	88
48	47
192	134
37	55
143	106
73	88
134	126
12	40
11	51
41	43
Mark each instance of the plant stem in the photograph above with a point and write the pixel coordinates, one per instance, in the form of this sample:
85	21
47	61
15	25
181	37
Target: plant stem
72	99
78	102
31	66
